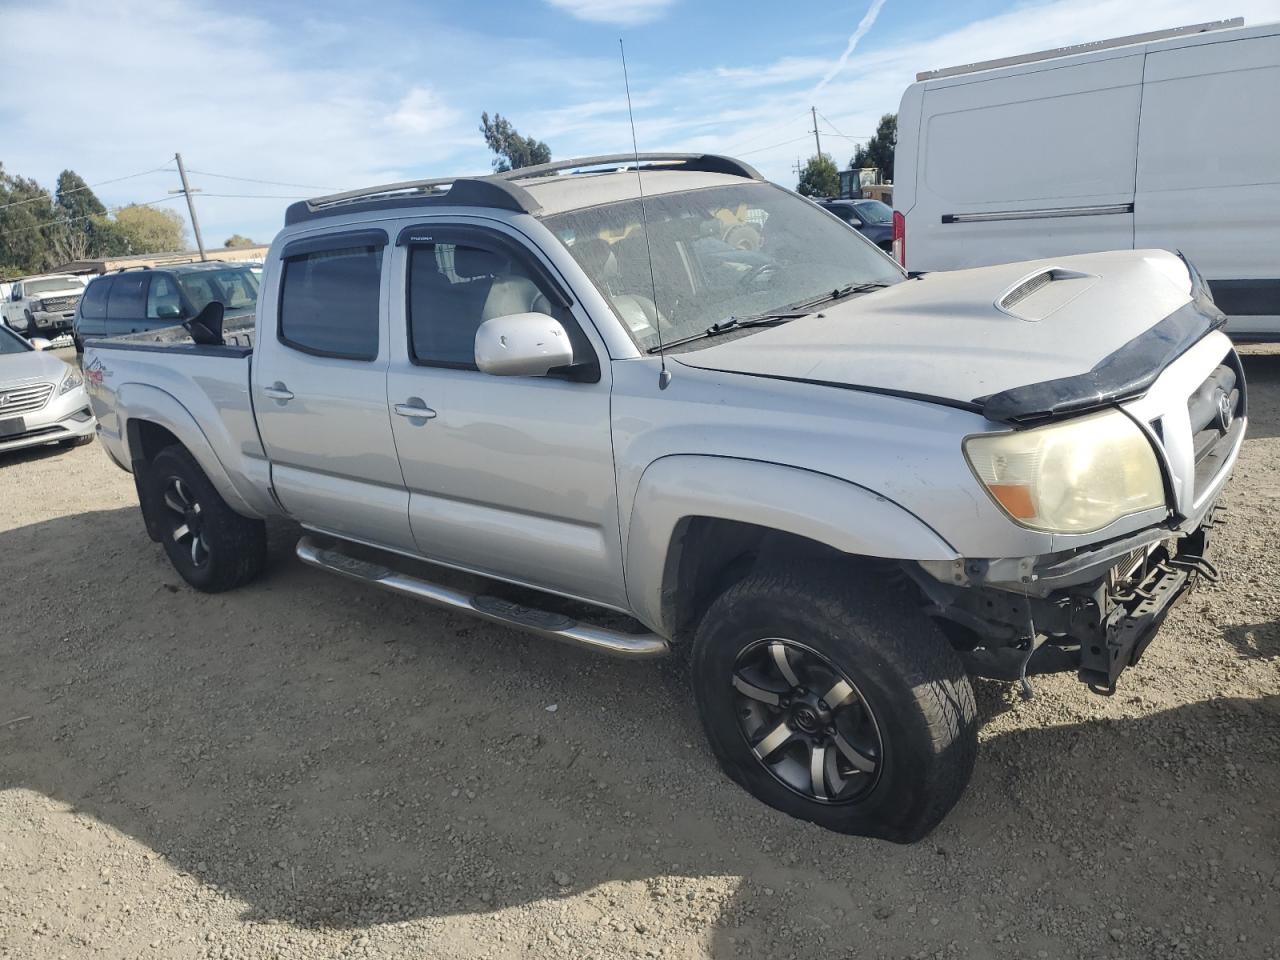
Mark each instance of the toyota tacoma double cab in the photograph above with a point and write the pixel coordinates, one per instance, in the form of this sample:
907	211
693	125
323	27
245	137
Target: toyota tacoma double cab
560	399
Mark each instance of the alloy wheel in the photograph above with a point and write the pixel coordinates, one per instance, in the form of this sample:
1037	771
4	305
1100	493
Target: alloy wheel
187	526
806	722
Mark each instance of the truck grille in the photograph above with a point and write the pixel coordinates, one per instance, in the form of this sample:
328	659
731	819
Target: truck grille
1214	409
59	304
16	400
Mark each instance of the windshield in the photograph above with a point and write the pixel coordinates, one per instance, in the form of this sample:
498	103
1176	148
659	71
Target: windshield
734	251
33	287
873	211
10	342
236	288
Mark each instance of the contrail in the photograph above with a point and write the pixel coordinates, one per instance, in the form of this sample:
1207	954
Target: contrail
868	20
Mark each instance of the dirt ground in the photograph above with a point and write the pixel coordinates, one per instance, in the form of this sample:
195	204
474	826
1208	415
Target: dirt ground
310	768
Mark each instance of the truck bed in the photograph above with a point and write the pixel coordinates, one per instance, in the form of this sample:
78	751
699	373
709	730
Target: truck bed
237	333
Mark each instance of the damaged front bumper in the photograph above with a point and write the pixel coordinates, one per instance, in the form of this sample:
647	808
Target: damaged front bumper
1094	613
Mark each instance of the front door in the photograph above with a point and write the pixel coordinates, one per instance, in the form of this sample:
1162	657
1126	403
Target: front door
320	389
511	477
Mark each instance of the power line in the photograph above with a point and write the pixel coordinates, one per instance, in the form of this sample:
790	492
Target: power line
89	216
88	186
837	132
258	196
764	133
269	183
771	146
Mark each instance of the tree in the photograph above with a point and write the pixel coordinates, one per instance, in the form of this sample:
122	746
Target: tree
819	178
235	240
878	151
142	229
511	150
25	213
80	234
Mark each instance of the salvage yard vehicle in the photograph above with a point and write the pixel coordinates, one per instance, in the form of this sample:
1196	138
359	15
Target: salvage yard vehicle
42	398
139	299
833	485
43	306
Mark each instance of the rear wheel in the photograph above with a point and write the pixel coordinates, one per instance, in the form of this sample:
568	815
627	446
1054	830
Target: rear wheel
209	544
830	702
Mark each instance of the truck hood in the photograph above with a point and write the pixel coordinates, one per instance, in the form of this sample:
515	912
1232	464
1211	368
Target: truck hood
30	366
967	337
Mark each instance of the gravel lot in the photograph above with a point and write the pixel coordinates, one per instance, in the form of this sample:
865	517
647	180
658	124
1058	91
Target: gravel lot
310	768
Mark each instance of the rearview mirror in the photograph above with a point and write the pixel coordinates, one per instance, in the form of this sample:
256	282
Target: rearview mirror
522	345
40	343
168	311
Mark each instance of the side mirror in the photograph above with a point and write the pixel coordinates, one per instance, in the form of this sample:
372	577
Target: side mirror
522	345
206	326
40	343
168	311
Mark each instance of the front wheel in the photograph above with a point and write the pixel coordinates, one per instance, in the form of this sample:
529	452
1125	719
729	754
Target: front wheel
826	700
209	544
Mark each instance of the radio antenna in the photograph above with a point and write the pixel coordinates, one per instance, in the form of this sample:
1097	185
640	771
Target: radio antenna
664	378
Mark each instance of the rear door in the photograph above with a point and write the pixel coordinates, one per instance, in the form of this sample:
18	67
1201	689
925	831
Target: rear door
320	388
1035	163
127	303
1209	170
91	313
508	476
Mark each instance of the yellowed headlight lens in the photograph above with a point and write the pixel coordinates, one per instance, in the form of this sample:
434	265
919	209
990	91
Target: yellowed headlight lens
1072	477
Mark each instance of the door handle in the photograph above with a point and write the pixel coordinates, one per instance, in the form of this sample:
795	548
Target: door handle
414	410
278	391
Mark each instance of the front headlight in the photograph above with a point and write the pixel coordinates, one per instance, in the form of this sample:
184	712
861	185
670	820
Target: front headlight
1072	477
70	381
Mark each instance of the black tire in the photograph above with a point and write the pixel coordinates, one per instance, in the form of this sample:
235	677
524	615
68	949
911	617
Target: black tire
913	710
209	544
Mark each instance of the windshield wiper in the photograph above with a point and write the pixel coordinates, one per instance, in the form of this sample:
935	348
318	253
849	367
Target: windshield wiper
731	324
841	292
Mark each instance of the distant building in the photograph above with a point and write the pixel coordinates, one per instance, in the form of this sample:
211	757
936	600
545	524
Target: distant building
108	264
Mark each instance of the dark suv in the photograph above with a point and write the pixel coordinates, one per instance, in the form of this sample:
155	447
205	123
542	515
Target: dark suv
871	218
147	298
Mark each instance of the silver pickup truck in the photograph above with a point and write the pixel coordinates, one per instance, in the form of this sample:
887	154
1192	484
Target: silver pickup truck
655	402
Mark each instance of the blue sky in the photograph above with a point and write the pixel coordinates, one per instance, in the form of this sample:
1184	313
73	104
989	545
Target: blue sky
336	95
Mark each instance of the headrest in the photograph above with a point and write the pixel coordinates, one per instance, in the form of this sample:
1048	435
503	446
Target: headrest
472	262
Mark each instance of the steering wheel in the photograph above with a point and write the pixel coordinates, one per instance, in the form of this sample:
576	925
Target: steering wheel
757	273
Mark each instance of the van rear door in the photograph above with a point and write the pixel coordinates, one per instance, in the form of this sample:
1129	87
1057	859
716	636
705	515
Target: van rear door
1208	174
1033	163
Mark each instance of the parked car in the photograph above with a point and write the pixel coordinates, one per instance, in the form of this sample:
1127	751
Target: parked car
42	398
43	306
798	464
1044	156
146	298
871	218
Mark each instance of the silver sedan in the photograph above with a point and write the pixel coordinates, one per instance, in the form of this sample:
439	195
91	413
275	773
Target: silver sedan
42	398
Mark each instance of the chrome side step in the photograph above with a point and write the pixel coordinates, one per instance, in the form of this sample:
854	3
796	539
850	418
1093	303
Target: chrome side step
541	622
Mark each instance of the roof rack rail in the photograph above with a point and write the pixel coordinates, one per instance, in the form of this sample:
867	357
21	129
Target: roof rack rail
136	266
499	189
1081	48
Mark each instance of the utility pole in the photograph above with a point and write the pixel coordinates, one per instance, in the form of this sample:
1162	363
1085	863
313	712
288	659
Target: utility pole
816	139
191	207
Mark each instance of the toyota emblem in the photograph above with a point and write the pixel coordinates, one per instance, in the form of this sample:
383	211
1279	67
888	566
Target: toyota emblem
1226	412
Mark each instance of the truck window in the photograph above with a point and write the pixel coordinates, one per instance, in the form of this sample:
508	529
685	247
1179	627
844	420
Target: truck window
329	303
453	288
128	293
94	304
163	300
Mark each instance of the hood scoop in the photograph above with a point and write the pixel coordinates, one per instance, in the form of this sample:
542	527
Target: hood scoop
1043	293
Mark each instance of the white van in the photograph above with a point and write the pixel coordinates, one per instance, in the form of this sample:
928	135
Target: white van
1167	140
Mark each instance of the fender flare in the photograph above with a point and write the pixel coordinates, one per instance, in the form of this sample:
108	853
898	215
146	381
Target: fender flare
144	402
843	515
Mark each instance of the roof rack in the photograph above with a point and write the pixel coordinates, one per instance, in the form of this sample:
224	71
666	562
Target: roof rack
500	189
1081	48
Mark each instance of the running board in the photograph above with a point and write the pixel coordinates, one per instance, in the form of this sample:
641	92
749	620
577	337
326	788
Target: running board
544	623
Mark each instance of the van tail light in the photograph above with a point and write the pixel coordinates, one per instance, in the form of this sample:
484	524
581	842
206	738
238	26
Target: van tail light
900	238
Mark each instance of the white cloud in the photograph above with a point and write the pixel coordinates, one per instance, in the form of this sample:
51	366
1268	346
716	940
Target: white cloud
420	112
624	13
